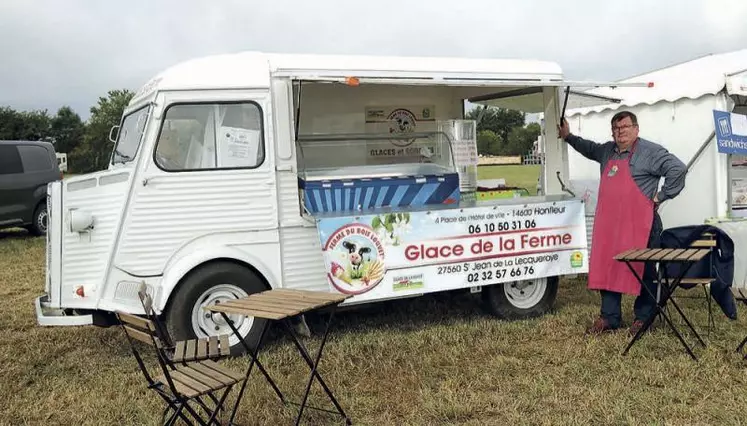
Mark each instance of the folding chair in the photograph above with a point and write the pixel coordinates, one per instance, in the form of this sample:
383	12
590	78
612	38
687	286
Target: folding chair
180	385
705	242
214	347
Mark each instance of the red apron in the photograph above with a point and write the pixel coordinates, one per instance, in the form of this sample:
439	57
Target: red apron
622	221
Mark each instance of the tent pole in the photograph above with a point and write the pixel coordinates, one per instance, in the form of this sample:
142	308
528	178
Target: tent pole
700	150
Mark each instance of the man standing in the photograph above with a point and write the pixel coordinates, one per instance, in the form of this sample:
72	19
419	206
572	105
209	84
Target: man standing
626	214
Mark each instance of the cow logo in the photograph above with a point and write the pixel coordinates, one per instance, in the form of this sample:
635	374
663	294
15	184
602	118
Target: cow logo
355	259
401	122
577	259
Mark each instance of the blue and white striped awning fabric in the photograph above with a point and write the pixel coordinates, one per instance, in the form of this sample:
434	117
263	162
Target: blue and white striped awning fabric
369	193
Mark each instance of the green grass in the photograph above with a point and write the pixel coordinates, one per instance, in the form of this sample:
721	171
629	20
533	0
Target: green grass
432	360
515	175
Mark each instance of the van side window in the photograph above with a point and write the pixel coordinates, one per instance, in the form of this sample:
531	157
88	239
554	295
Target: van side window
35	158
211	136
10	160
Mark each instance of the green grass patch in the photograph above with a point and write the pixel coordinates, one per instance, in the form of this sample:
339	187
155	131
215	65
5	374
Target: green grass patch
515	175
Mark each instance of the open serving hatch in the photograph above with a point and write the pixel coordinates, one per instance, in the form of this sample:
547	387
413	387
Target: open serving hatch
394	139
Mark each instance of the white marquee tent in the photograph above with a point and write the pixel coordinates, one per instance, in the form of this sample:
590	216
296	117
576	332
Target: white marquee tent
677	112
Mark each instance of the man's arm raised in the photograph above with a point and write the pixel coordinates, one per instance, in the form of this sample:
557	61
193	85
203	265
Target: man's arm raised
589	149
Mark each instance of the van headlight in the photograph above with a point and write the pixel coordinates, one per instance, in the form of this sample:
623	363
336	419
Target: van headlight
80	220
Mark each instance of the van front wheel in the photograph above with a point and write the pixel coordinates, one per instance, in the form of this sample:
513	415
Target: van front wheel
38	225
211	284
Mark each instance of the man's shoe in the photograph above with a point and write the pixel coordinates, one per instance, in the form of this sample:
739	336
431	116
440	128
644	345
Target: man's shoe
599	326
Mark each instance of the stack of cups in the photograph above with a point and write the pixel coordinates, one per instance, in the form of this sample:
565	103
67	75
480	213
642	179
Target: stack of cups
463	135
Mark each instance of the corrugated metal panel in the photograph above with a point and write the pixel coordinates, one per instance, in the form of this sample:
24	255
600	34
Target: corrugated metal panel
171	210
288	199
303	263
85	255
55	230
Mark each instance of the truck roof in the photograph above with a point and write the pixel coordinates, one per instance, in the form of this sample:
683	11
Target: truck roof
256	69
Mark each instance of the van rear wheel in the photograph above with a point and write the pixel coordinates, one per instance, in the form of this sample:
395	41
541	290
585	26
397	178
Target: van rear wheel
521	299
211	284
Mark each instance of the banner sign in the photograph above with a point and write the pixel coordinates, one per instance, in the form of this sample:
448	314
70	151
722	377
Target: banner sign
386	255
731	132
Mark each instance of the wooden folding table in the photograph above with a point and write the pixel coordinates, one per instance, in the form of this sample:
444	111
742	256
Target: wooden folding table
686	258
281	305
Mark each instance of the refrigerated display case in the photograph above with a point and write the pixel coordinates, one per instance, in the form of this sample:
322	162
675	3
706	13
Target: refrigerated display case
357	172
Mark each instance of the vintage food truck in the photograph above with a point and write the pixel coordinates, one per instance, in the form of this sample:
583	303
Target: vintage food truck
236	173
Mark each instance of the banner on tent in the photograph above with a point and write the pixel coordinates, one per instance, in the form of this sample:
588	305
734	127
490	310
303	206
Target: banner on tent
731	132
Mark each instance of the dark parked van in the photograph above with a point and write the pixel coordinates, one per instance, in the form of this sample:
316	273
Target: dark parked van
25	169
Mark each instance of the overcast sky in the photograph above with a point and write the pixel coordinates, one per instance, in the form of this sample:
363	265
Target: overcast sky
70	52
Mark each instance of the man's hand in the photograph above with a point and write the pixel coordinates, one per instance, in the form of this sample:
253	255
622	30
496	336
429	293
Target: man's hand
563	130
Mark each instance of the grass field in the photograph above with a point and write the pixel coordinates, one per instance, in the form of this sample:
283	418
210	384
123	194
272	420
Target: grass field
515	175
431	360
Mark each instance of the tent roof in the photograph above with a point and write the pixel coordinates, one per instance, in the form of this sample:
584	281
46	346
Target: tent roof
705	75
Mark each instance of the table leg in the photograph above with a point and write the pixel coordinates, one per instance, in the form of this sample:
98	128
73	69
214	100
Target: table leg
643	329
313	364
650	320
671	289
255	359
660	309
689	324
741	346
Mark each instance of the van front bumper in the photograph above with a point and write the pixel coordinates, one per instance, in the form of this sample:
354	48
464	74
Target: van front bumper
47	316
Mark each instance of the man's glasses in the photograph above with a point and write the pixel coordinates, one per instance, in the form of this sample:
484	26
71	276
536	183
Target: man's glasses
620	128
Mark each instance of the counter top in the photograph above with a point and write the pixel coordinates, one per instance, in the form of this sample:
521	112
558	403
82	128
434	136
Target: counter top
462	204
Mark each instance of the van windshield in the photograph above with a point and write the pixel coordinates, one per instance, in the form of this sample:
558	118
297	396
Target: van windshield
130	135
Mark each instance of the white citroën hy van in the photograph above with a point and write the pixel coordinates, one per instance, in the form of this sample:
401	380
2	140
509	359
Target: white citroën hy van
236	173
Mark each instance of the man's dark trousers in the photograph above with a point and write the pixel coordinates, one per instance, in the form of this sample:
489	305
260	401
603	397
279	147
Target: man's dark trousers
644	303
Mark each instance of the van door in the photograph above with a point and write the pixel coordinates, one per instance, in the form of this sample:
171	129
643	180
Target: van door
39	168
208	175
11	193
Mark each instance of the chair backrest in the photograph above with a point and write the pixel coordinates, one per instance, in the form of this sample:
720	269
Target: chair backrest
144	331
147	301
706	240
141	329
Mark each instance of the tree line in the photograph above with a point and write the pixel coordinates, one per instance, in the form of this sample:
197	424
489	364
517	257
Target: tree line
503	131
86	144
88	148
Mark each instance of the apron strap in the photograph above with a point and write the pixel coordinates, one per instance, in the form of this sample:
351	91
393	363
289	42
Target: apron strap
632	149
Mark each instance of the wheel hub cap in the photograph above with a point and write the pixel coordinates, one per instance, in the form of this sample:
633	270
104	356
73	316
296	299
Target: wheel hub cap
206	324
525	294
42	222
